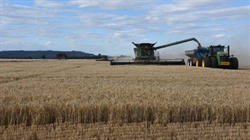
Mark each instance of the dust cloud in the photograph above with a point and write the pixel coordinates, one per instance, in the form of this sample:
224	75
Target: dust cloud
240	48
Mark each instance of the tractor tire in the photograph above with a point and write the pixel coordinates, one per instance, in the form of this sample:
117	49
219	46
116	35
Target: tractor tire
206	62
198	63
214	62
234	64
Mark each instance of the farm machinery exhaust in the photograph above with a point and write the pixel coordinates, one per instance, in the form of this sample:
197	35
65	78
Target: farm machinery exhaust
144	54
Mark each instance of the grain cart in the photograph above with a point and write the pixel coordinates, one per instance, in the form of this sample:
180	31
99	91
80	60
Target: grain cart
212	56
145	54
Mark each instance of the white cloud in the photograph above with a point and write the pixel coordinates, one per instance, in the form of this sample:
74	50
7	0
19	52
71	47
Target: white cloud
190	19
199	18
102	25
18	44
48	43
219	36
113	4
24	15
49	3
109	21
180	6
194	15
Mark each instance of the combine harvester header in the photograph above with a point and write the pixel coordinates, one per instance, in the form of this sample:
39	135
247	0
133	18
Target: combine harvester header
144	54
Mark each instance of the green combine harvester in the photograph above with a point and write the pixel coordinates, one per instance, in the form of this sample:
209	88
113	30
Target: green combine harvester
145	54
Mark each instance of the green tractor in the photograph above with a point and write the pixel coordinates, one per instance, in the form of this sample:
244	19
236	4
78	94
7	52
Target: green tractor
212	56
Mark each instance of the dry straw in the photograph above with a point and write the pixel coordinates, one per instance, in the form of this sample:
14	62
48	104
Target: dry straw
86	92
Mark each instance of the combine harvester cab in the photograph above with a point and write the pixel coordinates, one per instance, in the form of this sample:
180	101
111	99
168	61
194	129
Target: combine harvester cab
145	54
212	56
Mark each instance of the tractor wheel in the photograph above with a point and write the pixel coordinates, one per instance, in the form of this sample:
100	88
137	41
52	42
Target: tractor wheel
214	62
206	62
234	64
198	63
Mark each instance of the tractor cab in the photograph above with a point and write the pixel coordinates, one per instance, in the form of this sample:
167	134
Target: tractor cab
217	50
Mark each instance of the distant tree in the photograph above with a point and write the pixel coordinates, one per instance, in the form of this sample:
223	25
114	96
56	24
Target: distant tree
43	56
61	56
99	55
65	56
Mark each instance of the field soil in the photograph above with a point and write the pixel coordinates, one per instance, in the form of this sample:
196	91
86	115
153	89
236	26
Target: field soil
85	99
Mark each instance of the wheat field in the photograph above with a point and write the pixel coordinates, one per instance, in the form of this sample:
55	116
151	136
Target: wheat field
85	99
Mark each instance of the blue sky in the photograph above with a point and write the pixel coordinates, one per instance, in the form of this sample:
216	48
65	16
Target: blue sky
109	26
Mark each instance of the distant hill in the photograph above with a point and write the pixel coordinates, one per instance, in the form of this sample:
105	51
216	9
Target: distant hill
21	54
